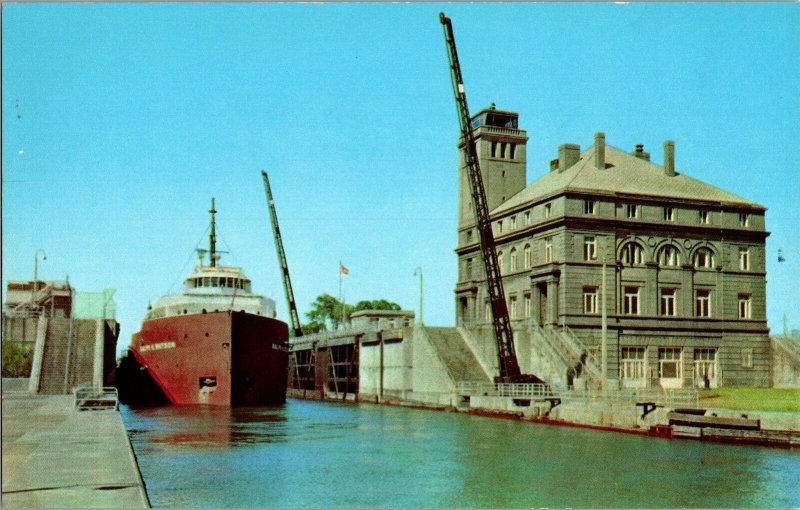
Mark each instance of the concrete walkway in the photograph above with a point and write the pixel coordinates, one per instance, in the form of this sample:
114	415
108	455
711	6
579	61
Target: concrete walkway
57	457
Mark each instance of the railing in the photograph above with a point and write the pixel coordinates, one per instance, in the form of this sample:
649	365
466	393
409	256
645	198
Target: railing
90	398
503	389
687	397
590	365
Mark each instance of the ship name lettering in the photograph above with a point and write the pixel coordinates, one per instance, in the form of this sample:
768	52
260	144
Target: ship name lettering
158	346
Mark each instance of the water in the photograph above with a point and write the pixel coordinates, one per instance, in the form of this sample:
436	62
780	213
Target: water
316	454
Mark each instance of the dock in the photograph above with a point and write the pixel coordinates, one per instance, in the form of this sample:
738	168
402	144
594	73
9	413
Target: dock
57	456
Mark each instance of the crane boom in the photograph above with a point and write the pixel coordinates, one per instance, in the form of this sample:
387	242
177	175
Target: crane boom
287	282
509	367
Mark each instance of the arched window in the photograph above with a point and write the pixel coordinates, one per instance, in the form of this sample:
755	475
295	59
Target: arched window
704	259
513	260
527	256
669	256
500	261
632	254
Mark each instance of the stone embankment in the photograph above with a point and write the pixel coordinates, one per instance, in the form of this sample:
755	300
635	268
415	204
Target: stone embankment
55	456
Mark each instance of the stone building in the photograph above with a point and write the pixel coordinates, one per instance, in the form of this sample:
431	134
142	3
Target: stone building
682	264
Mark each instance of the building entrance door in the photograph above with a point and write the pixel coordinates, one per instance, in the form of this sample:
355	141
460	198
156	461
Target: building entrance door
542	303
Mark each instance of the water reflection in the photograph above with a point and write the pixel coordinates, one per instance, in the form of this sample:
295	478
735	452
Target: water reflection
207	427
313	454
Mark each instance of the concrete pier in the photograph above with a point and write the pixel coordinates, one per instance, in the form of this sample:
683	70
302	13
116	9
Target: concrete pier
55	456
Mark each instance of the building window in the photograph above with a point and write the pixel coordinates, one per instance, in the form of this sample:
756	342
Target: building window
469	268
704	217
631	211
669	214
589	248
527	256
512	259
703	303
631	303
512	223
548	210
704	259
632	254
469	236
669	363
747	358
745	305
513	151
589	207
502	149
633	364
500	257
548	250
590	300
500	227
527	217
705	368
527	305
668	302
494	149
744	220
669	256
744	259
512	313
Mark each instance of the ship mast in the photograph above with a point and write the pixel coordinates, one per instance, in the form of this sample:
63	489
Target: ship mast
212	238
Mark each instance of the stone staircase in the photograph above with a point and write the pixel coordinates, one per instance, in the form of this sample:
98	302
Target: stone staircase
786	362
561	352
67	348
455	354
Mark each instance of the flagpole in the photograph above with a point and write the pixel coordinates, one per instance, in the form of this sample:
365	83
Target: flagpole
340	290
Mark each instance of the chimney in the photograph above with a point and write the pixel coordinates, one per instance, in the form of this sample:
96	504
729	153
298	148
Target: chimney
568	155
553	165
640	153
600	150
669	158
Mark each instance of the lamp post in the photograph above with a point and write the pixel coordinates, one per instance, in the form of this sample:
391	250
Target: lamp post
418	272
35	286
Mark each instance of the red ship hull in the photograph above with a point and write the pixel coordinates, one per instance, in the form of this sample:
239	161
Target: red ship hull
221	358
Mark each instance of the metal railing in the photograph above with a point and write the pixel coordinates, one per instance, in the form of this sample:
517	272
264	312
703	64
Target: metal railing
91	398
687	397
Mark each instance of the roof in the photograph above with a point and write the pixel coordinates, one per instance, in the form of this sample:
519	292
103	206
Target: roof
625	174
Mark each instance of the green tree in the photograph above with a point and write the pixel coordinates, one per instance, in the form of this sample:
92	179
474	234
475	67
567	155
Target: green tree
326	312
17	359
376	304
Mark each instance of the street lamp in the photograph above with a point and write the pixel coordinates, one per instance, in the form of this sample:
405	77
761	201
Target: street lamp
36	272
418	271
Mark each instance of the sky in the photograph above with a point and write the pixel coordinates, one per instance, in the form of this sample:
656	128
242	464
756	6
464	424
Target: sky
121	121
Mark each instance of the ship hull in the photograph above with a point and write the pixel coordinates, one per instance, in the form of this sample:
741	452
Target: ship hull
219	359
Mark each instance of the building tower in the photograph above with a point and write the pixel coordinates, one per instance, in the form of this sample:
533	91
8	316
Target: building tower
502	157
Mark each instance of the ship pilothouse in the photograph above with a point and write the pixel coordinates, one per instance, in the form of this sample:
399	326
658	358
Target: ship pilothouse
213	288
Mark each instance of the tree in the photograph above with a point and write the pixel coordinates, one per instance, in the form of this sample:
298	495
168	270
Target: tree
17	359
326	312
376	304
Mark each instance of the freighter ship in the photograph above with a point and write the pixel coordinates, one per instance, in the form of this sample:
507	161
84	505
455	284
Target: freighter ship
213	343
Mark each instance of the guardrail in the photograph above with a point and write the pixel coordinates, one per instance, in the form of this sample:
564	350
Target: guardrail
96	399
687	397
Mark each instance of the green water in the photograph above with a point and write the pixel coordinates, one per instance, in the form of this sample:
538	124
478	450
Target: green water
315	454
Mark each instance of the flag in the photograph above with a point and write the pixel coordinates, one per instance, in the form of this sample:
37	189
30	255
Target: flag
343	269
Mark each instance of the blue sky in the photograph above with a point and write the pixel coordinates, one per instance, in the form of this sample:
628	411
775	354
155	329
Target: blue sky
131	117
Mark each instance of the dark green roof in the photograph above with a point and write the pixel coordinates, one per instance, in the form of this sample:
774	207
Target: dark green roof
626	174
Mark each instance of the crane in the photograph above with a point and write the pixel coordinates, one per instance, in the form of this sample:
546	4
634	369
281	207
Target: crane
509	367
287	282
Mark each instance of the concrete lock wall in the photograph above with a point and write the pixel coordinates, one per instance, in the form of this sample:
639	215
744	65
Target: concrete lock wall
396	368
